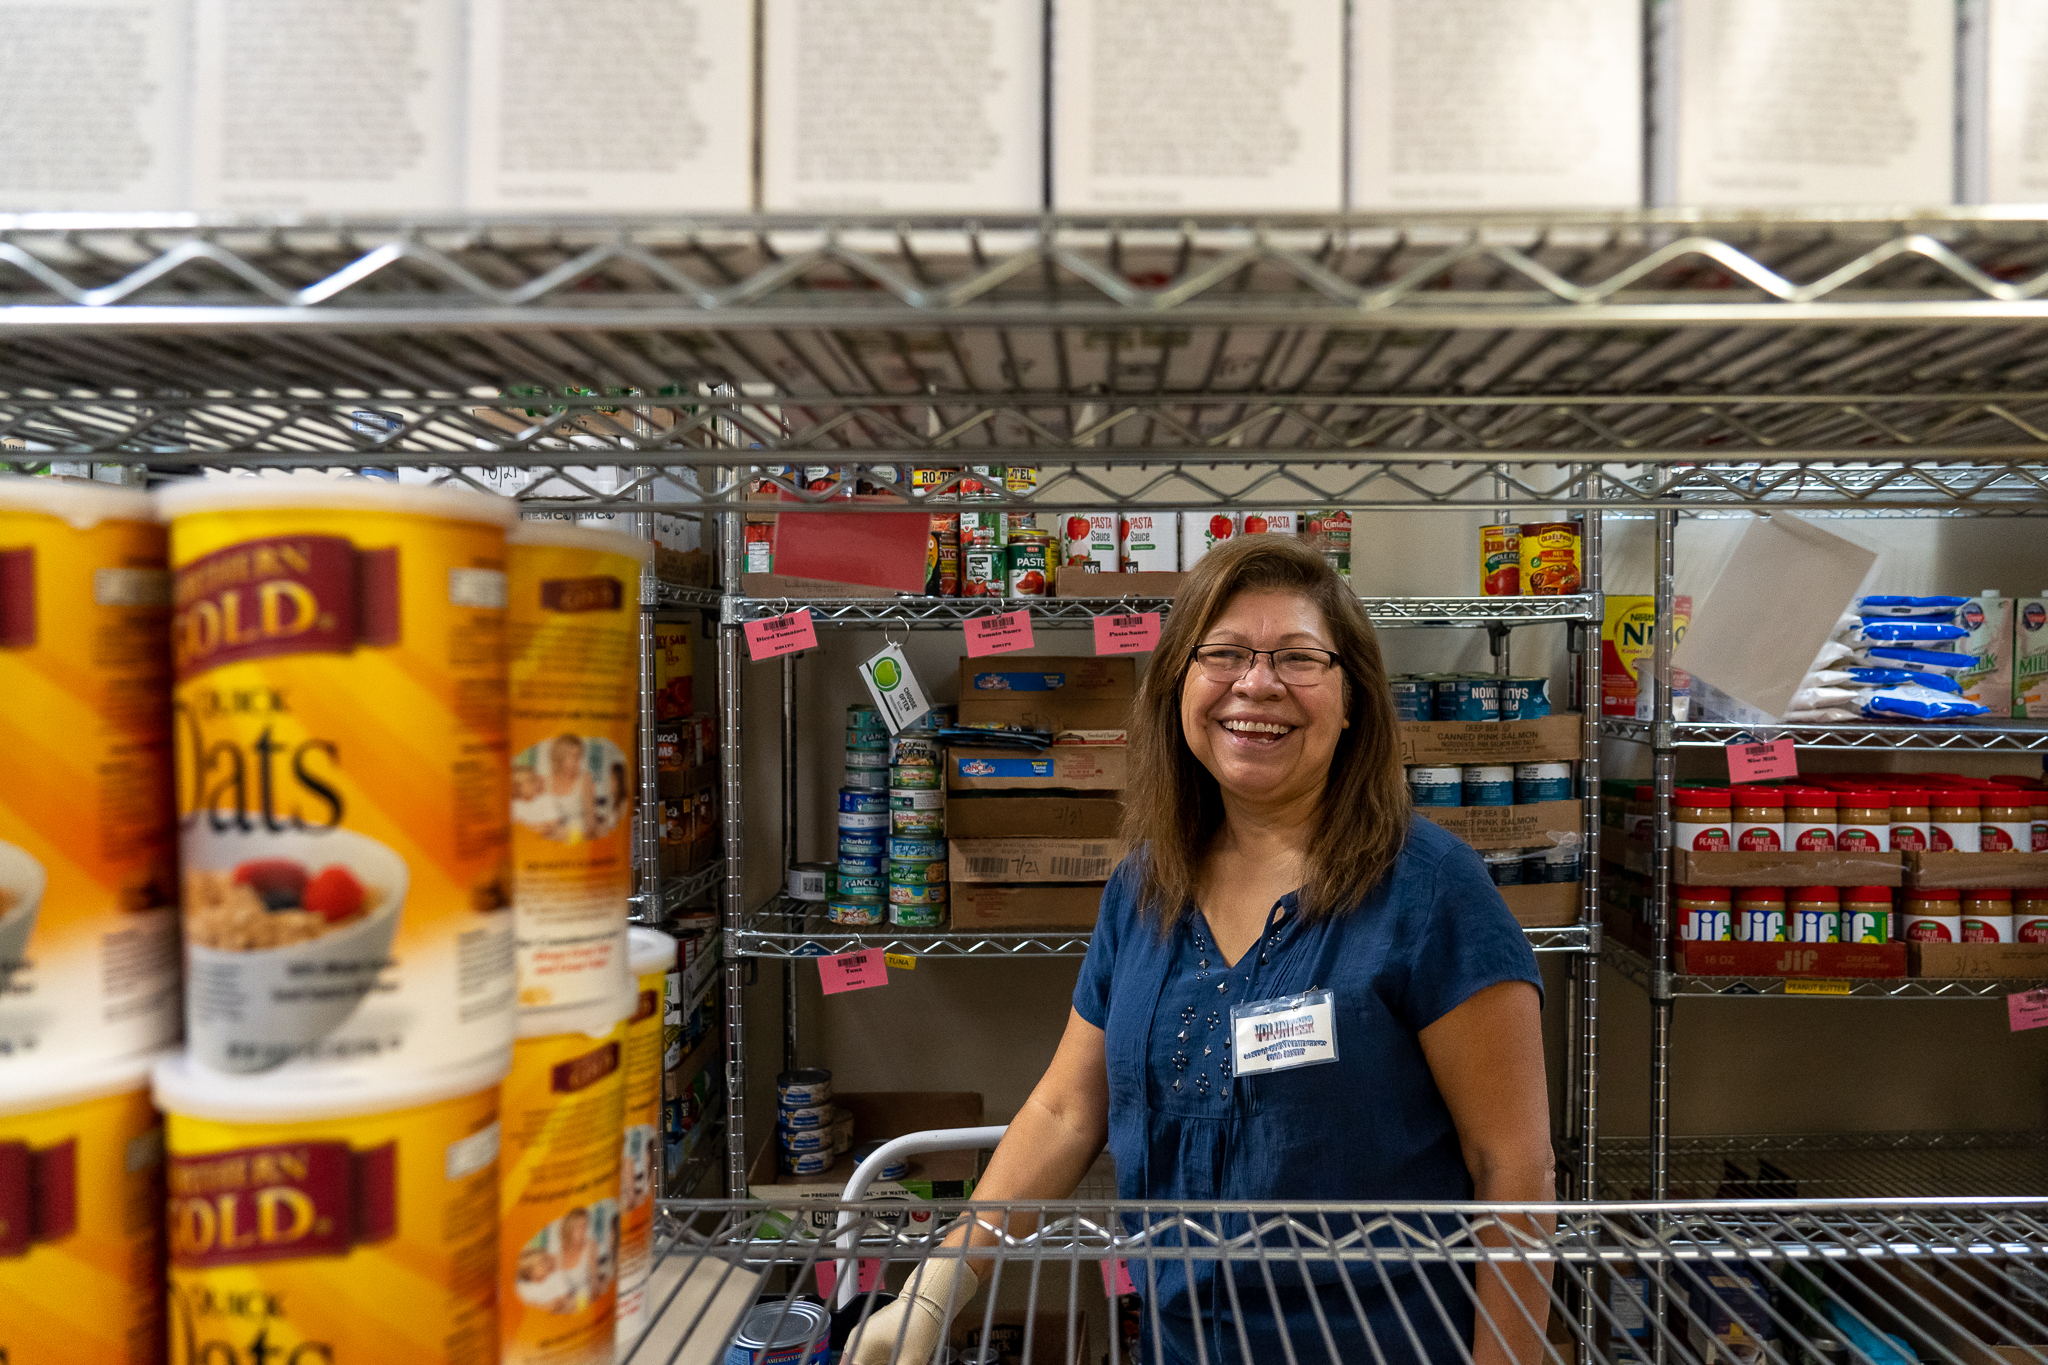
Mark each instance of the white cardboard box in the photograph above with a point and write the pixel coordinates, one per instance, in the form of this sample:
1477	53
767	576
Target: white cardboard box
2006	162
1461	104
935	106
1160	104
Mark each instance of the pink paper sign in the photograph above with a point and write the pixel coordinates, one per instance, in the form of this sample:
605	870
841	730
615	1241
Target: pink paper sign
1116	1279
1762	762
853	971
869	1275
775	636
1001	634
1135	634
2027	1009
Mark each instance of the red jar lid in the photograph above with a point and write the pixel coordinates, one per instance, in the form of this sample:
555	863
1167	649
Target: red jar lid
1703	797
1759	796
1762	893
1717	893
1986	893
1956	796
1646	793
1867	893
1816	893
1809	796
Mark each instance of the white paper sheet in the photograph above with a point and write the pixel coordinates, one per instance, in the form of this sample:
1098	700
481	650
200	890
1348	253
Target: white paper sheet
2016	102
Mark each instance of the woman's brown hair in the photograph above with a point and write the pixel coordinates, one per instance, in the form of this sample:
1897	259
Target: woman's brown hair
1173	807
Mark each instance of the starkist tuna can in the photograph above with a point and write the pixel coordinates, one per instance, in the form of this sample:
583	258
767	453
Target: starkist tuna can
574	615
343	794
81	1187
653	962
359	1212
88	892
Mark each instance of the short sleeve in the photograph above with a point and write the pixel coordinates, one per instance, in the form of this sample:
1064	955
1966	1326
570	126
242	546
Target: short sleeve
1469	940
1091	990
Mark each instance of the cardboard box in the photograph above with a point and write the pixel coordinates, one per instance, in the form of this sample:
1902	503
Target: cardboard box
1063	767
1049	691
1964	870
1838	960
983	906
992	816
1550	905
878	1115
1507	826
1689	868
2003	961
1552	739
1113	585
1009	861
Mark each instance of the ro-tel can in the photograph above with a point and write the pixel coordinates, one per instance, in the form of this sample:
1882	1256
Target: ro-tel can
1436	786
861	716
982	572
856	801
81	1273
1500	561
360	1210
1814	915
1201	532
2030	914
917	872
339	647
787	1332
1760	914
1549	553
1706	914
914	751
895	1168
1866	914
807	881
853	912
1147	542
911	848
1412	698
1489	784
651	959
868	779
575	612
1030	564
942	556
930	915
1933	915
1987	916
862	843
1542	782
871	760
981	531
914	777
861	865
88	884
803	1089
760	547
858	886
1503	866
1088	542
1524	698
1329	533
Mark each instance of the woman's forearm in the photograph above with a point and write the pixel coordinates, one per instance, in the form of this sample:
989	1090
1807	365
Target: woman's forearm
1043	1156
1514	1295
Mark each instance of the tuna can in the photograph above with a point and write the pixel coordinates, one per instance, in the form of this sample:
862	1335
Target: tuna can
1500	561
862	716
868	779
862	843
808	881
794	1163
918	916
914	800
1504	866
1436	786
914	849
911	778
861	865
930	824
868	741
798	1119
1542	782
1524	698
804	1140
855	801
913	751
869	760
926	893
1030	565
982	573
853	912
803	1089
1489	785
787	1332
895	1168
1550	558
917	871
1412	700
857	886
875	823
937	718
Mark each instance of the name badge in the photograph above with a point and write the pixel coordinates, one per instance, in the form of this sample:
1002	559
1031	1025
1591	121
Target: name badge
1283	1033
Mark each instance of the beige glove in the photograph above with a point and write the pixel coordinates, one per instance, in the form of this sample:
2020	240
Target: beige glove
937	1290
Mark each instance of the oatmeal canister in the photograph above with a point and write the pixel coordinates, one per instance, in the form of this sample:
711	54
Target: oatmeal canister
351	1220
88	899
573	639
653	962
81	1213
558	1203
340	727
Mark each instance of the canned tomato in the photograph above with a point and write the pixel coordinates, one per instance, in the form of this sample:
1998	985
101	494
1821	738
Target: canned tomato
916	872
1436	786
857	886
927	823
1500	561
855	801
803	1089
1148	542
1030	565
339	649
652	961
1542	782
88	884
982	573
1549	553
914	778
980	531
913	751
789	1332
760	542
927	916
910	848
942	557
855	912
924	893
1088	542
1329	533
931	799
1412	699
808	881
1488	785
1524	698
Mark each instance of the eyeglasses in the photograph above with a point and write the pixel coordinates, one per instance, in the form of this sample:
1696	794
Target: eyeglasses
1293	666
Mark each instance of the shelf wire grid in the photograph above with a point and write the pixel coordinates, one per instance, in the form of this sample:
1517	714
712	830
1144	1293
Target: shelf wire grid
1866	1282
1954	1165
917	612
2019	735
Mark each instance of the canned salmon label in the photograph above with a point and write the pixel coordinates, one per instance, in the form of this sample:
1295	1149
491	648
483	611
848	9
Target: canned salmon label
359	1239
1500	561
81	1237
340	733
640	1150
88	891
574	632
558	1204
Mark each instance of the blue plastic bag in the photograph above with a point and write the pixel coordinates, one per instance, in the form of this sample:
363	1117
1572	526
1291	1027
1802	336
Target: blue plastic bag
1917	660
1920	703
1884	677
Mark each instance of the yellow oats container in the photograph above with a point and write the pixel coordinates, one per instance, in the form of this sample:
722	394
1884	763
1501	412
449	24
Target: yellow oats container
335	1220
342	784
558	1201
88	894
573	643
81	1215
640	1157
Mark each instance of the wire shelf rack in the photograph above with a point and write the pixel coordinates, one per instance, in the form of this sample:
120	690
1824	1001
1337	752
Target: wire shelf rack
1758	1282
2015	735
1949	1165
946	612
679	596
677	892
1636	968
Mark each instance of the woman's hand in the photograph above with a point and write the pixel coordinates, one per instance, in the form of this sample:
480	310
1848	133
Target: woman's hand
918	1319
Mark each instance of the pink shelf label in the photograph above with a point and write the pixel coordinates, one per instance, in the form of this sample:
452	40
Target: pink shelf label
1762	762
1116	1279
869	1275
1002	634
853	971
2028	1009
779	635
1135	634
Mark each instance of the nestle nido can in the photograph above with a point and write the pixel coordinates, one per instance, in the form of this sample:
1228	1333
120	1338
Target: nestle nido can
652	961
1436	785
1524	698
1542	782
803	1089
88	865
361	1210
344	801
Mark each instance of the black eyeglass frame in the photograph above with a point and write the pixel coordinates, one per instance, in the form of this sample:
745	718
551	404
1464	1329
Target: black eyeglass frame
1333	659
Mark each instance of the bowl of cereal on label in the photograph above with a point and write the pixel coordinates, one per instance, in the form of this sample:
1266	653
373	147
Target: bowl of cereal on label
285	934
22	879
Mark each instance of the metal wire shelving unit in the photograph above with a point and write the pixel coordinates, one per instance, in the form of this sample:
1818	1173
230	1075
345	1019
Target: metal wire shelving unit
1636	968
946	613
1985	734
1834	1165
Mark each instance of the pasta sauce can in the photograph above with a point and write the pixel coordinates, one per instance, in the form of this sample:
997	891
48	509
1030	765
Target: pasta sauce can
574	629
359	1212
340	732
653	963
88	889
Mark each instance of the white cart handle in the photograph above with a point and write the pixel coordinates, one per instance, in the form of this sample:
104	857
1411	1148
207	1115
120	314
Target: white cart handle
910	1144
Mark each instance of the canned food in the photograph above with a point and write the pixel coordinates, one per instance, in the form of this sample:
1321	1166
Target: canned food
980	531
1504	866
868	779
914	849
1436	786
652	961
1088	542
1412	698
916	800
860	865
808	881
854	801
858	886
876	822
786	1332
942	557
1489	785
760	542
982	573
1329	534
803	1089
1500	561
938	718
861	716
1030	564
895	1168
916	871
1524	698
854	912
868	760
914	778
929	823
913	751
1550	864
1542	782
924	893
1460	698
794	1163
918	916
862	843
868	741
1549	553
797	1119
804	1140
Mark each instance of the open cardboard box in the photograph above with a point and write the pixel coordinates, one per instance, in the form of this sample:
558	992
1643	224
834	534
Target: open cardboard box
1005	1333
878	1115
1981	961
1547	905
1032	860
1507	826
1095	815
1962	871
979	906
1689	868
1552	739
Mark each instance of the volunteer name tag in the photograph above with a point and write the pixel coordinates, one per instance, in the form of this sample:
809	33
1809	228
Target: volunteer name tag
1280	1034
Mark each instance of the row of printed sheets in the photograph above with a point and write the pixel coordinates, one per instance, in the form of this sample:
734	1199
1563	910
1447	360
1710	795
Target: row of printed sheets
1013	106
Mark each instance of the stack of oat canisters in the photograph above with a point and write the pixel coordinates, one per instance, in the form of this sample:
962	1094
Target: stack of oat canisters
377	741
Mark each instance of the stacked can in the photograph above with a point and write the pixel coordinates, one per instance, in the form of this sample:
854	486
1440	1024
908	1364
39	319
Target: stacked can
867	749
855	893
810	1132
917	830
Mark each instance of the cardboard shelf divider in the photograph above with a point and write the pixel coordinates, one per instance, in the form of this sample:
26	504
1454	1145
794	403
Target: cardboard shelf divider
1507	826
1981	961
1689	868
1547	905
1551	739
1963	871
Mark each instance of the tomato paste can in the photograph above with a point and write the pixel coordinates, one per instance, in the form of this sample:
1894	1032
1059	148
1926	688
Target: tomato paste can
1549	552
942	556
982	572
1500	561
1030	564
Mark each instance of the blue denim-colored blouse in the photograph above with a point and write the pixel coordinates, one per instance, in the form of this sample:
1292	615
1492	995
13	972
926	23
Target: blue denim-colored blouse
1371	1126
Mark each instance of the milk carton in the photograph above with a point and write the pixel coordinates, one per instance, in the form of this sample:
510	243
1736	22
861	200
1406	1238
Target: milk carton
2030	658
1088	542
1146	542
1988	617
1201	532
